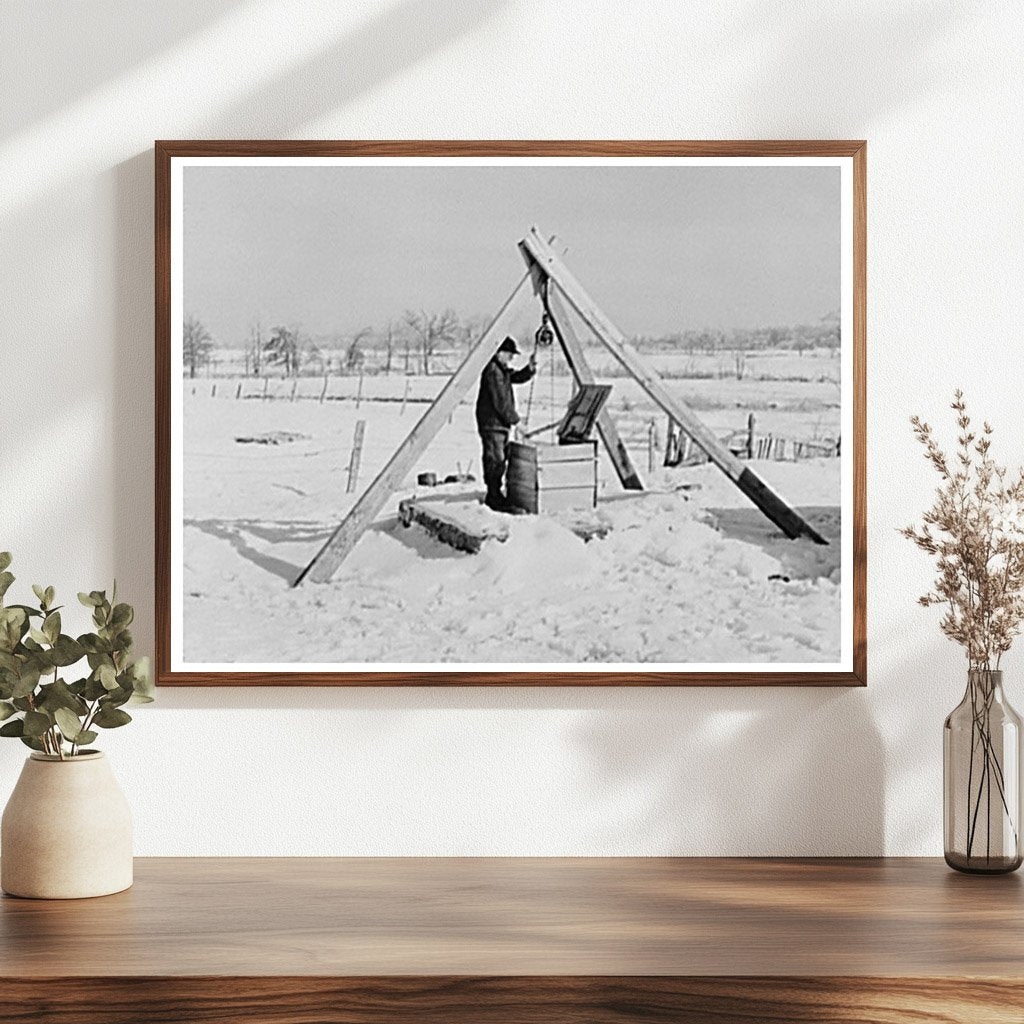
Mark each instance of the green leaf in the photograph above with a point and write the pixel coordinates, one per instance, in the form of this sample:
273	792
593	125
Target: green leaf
6	579
13	728
6	710
142	682
50	594
66	651
89	600
94	644
115	698
86	736
94	689
122	616
59	695
69	724
27	681
5	559
36	723
12	627
28	610
108	718
51	626
31	741
38	635
107	676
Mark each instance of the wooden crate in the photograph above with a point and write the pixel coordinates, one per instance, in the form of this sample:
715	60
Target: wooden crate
552	477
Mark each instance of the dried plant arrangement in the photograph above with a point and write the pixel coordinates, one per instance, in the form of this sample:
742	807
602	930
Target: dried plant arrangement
975	531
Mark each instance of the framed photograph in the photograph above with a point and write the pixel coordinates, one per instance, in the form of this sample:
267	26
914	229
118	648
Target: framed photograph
493	413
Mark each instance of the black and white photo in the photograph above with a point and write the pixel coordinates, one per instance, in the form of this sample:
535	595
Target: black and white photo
511	414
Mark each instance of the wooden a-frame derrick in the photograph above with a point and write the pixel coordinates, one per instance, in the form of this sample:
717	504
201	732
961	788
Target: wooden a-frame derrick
553	281
545	261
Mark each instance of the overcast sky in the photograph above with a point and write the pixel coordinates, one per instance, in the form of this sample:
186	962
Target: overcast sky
660	249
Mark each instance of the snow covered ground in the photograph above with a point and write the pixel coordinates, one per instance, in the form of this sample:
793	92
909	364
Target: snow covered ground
688	572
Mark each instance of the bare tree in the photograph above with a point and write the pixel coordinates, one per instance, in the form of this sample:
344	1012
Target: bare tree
432	330
196	344
354	354
473	328
283	348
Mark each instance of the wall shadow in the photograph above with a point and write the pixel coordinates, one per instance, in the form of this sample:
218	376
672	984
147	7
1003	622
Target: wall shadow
688	748
87	29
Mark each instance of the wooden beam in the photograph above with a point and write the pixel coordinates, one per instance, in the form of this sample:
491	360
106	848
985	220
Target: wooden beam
341	542
577	361
438	519
778	511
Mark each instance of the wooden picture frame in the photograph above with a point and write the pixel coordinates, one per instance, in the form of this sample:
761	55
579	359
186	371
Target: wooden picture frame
547	275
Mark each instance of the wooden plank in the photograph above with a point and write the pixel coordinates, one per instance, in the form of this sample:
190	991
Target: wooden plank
356	457
445	524
582	451
694	917
558	499
542	999
581	415
561	323
777	510
345	537
567	474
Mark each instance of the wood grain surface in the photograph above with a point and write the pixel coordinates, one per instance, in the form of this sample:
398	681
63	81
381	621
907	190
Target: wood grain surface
307	940
165	150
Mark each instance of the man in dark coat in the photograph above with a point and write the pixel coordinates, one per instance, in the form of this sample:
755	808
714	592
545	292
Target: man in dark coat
496	416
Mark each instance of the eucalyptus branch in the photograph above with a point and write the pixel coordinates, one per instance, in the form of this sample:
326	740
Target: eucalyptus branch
46	715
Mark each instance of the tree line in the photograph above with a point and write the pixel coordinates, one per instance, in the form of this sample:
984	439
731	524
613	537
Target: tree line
420	342
426	342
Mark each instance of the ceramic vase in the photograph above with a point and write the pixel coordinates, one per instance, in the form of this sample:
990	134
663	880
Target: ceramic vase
66	831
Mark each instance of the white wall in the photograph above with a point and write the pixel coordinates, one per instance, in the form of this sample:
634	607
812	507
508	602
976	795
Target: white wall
937	90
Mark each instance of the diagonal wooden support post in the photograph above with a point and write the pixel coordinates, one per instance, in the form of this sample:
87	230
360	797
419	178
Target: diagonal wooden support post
577	361
778	511
344	538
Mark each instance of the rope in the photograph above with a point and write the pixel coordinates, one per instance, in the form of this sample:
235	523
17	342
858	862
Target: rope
536	345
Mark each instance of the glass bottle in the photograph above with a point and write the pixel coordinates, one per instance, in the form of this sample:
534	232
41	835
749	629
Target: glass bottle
981	773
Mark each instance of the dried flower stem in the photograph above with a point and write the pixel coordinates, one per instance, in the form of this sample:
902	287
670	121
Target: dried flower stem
975	532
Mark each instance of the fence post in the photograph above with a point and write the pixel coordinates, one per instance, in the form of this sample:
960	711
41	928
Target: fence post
266	384
324	390
238	391
295	386
359	390
356	456
750	436
405	397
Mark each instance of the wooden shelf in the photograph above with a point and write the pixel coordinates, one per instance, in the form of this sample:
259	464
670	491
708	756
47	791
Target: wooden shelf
505	940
